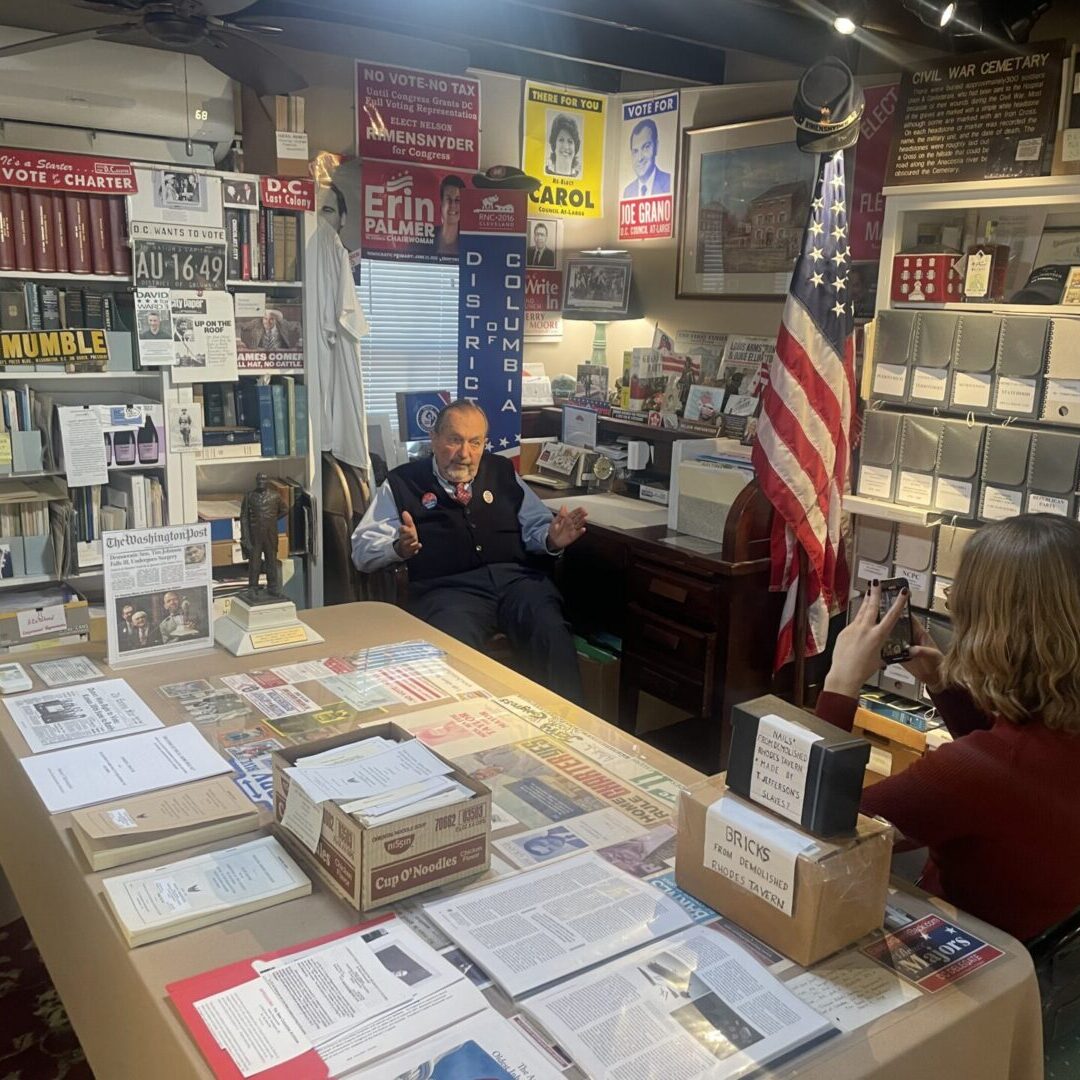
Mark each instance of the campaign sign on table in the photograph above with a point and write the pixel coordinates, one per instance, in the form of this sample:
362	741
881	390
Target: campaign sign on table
492	304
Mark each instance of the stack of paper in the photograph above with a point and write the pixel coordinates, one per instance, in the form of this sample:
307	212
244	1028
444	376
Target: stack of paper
154	904
376	780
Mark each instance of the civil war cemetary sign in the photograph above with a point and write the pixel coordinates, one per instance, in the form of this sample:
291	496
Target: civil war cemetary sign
980	116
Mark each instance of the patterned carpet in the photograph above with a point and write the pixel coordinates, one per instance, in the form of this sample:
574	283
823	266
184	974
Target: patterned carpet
36	1040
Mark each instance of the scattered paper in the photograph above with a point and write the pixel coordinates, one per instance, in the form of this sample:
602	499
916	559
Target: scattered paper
55	718
83	440
584	833
281	701
252	1027
83	775
302	817
67	669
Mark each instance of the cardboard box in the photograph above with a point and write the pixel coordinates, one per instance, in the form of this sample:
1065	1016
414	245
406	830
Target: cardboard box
369	868
839	895
76	621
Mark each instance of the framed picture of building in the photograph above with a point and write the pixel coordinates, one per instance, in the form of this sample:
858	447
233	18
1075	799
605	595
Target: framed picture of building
746	191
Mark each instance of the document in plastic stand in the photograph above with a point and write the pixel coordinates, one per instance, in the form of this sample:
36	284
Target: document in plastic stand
50	719
83	775
695	1005
576	914
154	904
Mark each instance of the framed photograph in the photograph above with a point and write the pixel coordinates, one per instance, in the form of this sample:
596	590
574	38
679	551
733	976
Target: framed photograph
593	288
746	192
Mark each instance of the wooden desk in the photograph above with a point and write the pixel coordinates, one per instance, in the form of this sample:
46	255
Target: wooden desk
698	629
988	1027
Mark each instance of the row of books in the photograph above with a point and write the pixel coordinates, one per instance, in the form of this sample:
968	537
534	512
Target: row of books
256	417
289	112
262	245
222	511
131	500
32	306
24	519
68	232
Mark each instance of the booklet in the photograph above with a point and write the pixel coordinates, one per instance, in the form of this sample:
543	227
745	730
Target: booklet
146	826
576	913
695	1005
84	775
167	900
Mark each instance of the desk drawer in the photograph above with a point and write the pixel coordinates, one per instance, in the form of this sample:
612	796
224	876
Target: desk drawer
672	687
665	642
657	588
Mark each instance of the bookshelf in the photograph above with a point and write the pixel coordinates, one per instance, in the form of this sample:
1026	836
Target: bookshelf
185	477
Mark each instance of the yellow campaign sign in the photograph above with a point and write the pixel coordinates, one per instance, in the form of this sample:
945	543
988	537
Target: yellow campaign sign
564	149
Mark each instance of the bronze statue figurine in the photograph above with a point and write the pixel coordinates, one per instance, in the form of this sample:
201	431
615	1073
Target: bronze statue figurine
259	513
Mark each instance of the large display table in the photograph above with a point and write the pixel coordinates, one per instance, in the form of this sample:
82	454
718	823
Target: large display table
988	1026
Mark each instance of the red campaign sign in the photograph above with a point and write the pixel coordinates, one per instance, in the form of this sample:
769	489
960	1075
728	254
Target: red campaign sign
411	213
871	161
500	211
645	219
66	172
417	117
543	291
287	192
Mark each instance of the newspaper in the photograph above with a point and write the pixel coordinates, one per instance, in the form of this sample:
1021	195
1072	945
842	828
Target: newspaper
204	337
586	833
158	592
532	929
79	714
693	1005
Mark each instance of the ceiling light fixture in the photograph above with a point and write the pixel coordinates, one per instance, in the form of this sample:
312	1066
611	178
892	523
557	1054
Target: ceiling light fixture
848	16
842	24
937	14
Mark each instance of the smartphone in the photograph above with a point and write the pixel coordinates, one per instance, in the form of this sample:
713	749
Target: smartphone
898	646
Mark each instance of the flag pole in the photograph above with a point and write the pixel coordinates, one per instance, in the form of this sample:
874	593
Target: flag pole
802	625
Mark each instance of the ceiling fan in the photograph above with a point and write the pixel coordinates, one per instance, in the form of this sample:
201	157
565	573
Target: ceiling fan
215	30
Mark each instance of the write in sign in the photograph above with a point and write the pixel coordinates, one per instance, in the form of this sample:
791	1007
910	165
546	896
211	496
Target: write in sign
781	765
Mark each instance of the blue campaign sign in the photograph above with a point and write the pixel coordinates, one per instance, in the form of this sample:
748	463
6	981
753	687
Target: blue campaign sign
492	311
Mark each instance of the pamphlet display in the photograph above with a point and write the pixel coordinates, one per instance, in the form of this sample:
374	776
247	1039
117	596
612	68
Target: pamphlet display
158	592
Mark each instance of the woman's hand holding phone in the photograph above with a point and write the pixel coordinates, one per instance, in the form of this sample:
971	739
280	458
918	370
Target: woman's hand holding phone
857	653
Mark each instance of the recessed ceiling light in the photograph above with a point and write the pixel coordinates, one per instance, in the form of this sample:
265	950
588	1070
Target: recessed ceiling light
844	25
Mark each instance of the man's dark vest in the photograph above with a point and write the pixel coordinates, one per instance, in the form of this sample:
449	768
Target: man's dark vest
457	538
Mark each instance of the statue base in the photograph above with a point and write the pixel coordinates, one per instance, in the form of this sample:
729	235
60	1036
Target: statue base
262	627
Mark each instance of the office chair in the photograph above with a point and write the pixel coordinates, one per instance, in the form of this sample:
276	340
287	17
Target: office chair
1056	955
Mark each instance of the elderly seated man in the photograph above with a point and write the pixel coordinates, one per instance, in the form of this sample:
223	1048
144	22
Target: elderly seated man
475	539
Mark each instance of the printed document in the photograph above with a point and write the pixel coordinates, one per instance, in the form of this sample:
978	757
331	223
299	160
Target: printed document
49	719
695	1005
84	775
540	926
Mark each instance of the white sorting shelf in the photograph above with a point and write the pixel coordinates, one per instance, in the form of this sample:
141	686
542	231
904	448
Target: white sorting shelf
887	511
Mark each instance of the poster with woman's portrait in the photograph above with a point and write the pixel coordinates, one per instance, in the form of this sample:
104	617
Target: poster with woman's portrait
564	149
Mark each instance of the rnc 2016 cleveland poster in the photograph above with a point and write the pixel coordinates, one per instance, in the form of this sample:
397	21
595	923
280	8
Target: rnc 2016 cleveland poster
649	139
564	149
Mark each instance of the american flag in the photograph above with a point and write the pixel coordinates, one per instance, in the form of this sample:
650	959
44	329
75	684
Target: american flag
803	447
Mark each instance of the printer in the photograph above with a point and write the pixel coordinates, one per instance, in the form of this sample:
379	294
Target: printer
706	477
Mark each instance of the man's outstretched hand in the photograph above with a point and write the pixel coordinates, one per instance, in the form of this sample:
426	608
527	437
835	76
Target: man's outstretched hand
565	528
407	543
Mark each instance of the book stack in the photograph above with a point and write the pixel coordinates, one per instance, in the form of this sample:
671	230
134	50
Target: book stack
30	306
289	112
132	500
71	232
262	245
255	417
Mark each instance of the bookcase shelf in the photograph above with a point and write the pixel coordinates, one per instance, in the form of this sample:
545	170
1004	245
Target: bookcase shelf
45	275
210	462
246	284
91	376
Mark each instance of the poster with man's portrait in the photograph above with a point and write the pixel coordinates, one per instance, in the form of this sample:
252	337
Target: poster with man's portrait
647	162
154	327
544	243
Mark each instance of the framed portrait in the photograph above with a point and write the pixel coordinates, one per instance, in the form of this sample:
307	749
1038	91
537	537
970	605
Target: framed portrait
746	192
595	288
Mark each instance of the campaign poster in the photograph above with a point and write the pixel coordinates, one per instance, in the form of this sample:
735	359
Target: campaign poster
564	149
650	137
871	161
543	304
491	312
417	117
412	213
45	171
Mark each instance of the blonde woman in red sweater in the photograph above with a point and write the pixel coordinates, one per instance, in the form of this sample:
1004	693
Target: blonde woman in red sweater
998	807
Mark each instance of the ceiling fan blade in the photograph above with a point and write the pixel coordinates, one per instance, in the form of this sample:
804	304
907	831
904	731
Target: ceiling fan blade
248	63
220	8
51	41
248	25
112	7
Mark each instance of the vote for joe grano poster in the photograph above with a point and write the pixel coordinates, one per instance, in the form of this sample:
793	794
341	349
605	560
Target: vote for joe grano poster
491	311
650	135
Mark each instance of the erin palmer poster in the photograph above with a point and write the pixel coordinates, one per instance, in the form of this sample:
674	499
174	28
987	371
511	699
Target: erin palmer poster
564	148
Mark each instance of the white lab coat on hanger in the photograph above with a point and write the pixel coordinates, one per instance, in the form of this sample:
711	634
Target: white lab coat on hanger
339	389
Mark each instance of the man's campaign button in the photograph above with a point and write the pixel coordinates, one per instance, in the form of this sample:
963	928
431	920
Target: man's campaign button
488	498
428	500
